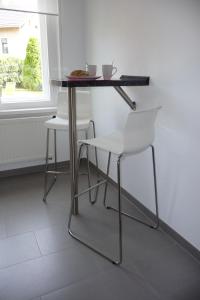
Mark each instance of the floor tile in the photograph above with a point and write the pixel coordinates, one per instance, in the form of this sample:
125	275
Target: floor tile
27	212
114	284
17	249
2	230
2	222
171	271
54	238
43	275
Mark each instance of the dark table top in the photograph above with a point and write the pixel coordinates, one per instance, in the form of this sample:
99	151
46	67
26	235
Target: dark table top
123	81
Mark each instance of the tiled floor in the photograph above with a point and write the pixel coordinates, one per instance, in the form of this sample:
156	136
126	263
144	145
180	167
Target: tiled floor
39	261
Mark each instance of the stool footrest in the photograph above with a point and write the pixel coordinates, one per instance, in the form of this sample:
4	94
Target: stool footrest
90	188
48	190
57	172
153	226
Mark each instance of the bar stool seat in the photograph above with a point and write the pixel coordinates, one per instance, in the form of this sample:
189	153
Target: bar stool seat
112	143
59	123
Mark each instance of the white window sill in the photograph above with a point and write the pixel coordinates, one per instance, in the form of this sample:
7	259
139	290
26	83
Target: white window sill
26	112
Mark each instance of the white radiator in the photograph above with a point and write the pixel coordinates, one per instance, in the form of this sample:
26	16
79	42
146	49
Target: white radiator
22	140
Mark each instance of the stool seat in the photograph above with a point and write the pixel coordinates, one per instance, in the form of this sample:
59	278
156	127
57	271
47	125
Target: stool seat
63	124
111	143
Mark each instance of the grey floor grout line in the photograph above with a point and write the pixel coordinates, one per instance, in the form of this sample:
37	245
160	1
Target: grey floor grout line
74	283
19	263
37	243
32	259
109	269
16	235
71	284
188	252
33	230
41	256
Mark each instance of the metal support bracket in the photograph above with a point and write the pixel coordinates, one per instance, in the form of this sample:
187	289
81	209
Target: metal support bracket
124	95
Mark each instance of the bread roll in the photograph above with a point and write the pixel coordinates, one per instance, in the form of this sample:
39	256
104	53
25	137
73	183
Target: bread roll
79	73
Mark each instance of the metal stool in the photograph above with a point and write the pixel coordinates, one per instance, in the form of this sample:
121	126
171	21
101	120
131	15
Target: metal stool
60	122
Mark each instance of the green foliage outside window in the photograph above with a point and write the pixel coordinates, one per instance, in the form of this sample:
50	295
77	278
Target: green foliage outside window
11	70
32	78
25	73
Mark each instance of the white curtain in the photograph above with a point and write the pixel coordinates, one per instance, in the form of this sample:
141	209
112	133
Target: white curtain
49	7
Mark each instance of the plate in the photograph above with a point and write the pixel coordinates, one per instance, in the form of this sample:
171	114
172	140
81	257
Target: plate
83	77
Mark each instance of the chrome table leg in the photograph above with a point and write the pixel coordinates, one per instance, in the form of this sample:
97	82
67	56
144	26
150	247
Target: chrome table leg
107	177
46	166
73	147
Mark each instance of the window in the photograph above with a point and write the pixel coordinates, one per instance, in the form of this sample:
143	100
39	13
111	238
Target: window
4	44
24	66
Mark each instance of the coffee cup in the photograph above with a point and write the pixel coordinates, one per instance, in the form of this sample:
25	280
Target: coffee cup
108	71
91	69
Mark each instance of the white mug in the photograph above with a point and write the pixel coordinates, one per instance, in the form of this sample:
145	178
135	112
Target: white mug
108	71
91	69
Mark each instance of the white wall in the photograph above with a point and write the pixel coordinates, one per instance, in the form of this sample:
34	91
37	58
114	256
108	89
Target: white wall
72	56
72	29
158	38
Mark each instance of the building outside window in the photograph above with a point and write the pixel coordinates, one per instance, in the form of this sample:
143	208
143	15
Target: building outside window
4	44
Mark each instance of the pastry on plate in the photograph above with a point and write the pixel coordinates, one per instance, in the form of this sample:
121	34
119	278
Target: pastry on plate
79	73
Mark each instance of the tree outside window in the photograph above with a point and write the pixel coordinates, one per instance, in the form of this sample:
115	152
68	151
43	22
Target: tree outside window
32	78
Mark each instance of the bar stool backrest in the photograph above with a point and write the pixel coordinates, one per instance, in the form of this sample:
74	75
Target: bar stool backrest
139	130
83	105
62	105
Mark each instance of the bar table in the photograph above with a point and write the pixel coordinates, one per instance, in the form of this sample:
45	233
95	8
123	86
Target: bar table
72	84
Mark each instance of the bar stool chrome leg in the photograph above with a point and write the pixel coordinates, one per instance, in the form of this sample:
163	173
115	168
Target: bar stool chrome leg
119	209
55	151
46	188
97	165
88	169
46	166
107	177
156	224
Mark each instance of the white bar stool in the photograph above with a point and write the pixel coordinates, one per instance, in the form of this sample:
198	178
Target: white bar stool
60	122
137	136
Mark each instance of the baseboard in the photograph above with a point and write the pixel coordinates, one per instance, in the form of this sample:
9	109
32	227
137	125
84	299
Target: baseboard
165	227
32	169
